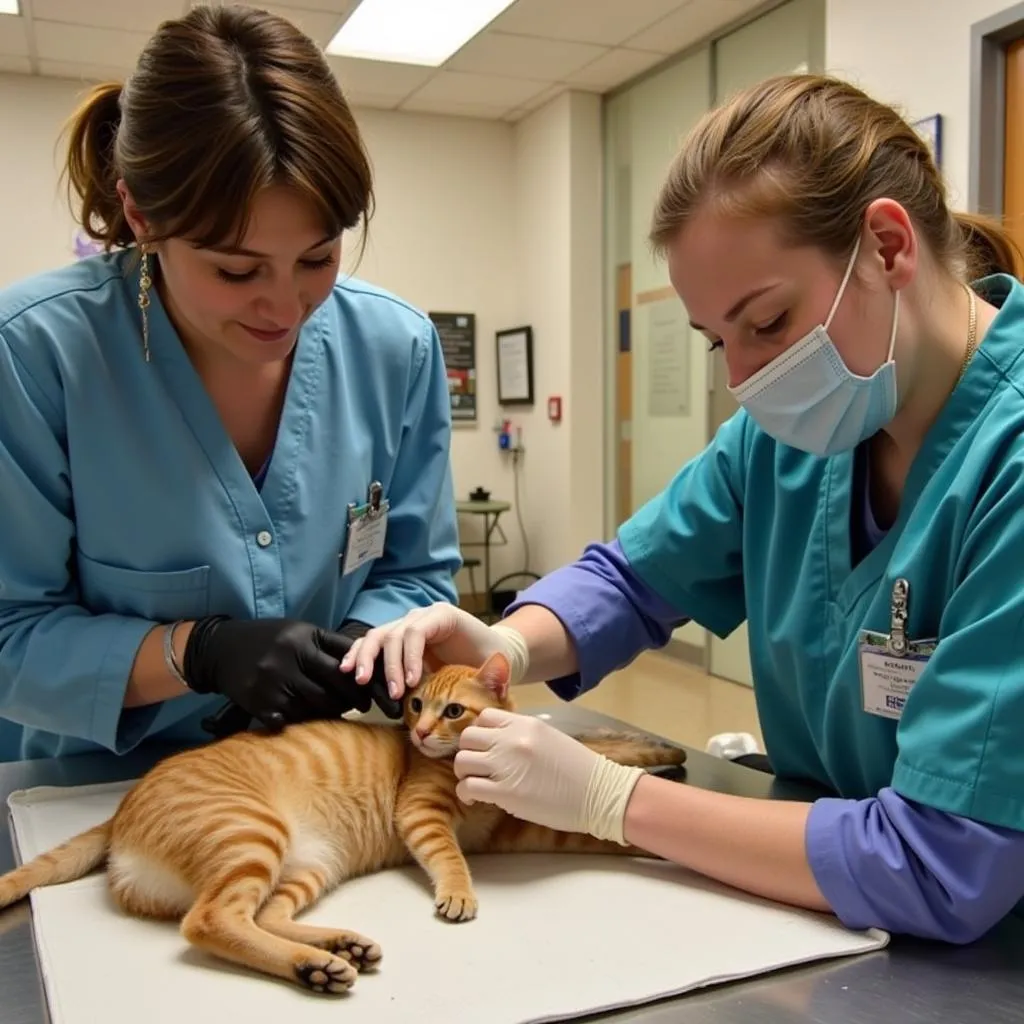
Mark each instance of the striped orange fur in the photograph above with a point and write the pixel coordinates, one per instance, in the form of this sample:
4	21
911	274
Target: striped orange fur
237	838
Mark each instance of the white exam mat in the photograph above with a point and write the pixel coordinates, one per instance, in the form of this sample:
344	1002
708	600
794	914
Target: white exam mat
558	936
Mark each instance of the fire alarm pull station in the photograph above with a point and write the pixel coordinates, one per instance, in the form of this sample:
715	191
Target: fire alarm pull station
555	409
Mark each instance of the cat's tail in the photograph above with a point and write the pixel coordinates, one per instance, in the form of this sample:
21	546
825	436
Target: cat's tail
634	749
71	860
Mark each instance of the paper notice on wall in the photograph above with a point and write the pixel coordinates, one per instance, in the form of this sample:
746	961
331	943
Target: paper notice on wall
668	359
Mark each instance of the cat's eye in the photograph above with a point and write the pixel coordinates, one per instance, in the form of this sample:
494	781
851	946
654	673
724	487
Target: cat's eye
454	711
416	704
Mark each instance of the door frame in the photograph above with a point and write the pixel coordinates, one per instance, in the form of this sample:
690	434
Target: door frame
989	39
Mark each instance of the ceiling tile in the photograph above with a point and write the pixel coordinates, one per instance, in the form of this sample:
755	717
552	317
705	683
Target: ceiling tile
616	67
15	65
76	44
522	61
342	7
369	101
452	108
535	103
686	26
498	53
116	14
605	22
377	78
13	37
742	6
491	91
541	98
318	25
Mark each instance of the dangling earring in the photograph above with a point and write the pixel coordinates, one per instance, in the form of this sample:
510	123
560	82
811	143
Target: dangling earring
145	283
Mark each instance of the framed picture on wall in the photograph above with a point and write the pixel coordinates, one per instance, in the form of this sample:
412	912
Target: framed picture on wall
515	366
930	129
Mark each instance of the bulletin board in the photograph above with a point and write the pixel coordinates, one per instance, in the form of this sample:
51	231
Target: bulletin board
457	332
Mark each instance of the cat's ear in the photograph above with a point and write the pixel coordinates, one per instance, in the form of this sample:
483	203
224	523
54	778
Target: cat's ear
496	674
431	661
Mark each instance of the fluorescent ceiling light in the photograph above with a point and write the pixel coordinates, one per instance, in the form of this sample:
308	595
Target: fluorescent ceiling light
9	7
413	31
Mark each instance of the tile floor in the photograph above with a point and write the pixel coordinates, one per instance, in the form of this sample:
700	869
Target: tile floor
666	696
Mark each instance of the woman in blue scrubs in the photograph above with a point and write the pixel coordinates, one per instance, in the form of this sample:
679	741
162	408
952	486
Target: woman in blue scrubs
863	512
219	462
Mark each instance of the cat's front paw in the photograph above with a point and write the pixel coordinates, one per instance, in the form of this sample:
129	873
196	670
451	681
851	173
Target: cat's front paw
460	905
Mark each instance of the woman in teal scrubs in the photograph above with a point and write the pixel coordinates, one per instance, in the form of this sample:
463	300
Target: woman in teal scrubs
219	462
863	512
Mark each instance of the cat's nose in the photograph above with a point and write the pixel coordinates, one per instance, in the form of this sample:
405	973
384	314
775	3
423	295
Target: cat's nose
422	733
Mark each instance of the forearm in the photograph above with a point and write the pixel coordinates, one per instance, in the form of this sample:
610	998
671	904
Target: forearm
588	619
151	681
754	845
888	862
66	671
551	648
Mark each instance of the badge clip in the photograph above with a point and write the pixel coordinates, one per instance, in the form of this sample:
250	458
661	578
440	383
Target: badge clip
374	496
896	643
367	529
374	507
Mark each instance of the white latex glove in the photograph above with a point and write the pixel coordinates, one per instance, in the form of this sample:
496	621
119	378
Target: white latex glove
442	633
538	773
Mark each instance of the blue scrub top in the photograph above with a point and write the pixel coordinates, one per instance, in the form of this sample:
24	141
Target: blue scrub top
124	502
753	530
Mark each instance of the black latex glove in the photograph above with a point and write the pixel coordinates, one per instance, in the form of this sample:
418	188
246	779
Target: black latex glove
376	687
278	670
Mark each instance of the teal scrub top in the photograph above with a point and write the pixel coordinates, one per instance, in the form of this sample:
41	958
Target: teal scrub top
125	504
754	530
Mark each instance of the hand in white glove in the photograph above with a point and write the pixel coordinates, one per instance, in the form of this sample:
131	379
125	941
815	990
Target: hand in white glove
538	773
440	634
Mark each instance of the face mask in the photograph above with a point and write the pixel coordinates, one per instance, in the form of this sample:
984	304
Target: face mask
807	398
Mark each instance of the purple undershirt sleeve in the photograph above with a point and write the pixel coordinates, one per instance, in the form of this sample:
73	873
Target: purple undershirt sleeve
608	611
889	863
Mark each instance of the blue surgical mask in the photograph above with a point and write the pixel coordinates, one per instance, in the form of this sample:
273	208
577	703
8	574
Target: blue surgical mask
808	398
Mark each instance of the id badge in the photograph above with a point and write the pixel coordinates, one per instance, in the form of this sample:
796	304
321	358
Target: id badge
367	529
891	665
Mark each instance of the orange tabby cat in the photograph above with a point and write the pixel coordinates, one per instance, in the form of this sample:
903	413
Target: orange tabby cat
236	838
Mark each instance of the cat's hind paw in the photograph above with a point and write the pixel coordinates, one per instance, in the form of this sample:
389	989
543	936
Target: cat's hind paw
362	953
327	974
456	906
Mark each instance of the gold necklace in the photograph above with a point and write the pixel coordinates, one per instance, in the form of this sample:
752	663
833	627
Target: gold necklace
972	332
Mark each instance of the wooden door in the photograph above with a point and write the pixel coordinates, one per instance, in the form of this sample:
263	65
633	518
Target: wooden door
1013	159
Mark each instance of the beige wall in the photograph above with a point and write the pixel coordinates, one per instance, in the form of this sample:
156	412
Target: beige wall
916	54
558	245
34	218
440	238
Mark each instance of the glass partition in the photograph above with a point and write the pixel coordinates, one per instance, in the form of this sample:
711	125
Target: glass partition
665	394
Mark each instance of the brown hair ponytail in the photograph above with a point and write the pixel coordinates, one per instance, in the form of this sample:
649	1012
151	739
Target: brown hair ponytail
223	103
90	169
